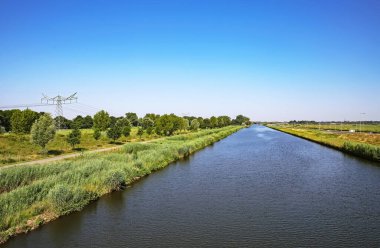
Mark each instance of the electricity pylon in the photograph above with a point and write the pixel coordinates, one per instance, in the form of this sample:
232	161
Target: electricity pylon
58	101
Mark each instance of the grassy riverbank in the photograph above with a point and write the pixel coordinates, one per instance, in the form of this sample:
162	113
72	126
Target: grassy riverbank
33	195
16	148
362	145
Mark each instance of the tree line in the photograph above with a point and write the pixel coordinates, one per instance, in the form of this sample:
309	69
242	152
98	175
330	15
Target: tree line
18	121
42	127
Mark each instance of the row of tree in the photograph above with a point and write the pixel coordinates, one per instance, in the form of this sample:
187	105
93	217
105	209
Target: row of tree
19	121
43	128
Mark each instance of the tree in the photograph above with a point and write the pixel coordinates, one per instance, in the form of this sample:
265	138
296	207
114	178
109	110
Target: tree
213	122
168	124
113	120
194	125
147	122
240	119
97	134
65	123
125	126
149	130
87	122
5	116
74	137
184	124
206	123
140	132
22	121
43	130
102	120
133	118
201	122
224	121
77	122
114	132
152	116
17	122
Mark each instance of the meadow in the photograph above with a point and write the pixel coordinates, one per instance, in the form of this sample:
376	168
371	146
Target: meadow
15	148
365	145
35	194
369	128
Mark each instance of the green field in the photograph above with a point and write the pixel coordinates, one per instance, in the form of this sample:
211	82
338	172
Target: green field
366	145
16	148
31	195
373	128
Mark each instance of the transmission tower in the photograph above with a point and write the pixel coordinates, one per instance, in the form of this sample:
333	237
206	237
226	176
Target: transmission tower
58	101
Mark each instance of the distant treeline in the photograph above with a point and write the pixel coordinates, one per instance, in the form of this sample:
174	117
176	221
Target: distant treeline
18	121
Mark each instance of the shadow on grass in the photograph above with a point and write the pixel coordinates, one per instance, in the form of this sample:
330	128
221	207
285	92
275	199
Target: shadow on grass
55	152
80	149
116	143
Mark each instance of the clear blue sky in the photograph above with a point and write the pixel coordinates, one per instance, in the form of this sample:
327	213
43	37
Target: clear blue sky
270	60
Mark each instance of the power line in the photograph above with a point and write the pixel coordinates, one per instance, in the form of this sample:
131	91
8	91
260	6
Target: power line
22	106
58	101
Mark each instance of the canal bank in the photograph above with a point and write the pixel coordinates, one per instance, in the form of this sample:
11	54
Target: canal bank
362	150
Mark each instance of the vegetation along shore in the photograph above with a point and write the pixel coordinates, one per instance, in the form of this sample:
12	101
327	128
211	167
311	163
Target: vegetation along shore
362	144
33	195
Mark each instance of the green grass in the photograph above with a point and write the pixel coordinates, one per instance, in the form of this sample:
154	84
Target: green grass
35	194
359	144
16	148
373	128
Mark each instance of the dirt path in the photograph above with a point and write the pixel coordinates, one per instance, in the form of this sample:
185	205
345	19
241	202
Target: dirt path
61	157
71	155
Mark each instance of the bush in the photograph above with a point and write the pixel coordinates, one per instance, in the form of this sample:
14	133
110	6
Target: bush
97	134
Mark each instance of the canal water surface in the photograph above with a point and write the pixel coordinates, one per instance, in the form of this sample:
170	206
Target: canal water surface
256	188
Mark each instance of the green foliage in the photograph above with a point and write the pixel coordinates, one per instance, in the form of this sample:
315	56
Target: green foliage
194	125
77	122
240	119
214	122
168	124
149	130
126	131
133	118
22	121
67	198
102	120
152	116
125	126
114	180
74	137
65	123
114	132
147	122
97	134
363	150
184	124
88	122
43	130
140	132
